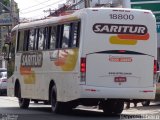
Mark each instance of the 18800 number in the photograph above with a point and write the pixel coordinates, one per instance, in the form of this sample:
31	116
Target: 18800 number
122	16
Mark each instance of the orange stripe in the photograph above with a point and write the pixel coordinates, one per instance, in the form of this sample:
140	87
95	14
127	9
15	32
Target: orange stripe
134	37
25	70
116	40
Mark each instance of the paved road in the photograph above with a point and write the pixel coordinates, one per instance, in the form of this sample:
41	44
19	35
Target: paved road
9	109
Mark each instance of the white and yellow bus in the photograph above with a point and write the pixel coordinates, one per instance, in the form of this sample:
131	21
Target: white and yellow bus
95	56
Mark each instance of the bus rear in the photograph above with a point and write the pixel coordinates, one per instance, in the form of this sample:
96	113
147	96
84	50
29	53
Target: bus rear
119	54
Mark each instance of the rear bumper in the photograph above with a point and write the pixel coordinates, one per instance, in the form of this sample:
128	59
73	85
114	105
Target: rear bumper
117	93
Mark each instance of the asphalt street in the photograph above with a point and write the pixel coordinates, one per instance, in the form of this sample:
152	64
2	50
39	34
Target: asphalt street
9	110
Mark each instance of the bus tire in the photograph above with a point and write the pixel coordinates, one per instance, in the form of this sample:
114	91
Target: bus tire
59	107
145	103
23	102
112	107
119	105
55	105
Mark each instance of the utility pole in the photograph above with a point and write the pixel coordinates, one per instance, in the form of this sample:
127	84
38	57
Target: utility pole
11	12
14	14
87	3
7	12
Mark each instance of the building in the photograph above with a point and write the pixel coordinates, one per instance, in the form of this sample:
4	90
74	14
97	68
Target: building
154	6
94	3
9	17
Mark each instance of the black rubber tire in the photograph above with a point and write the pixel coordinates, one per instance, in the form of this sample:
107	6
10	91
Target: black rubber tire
119	106
55	105
23	102
145	103
112	107
59	107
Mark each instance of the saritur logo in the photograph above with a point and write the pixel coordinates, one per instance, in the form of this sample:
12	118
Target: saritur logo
127	34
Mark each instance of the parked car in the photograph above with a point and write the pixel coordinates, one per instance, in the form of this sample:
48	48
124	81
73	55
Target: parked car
3	81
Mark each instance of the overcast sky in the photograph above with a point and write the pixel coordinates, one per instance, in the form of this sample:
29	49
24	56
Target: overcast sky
35	8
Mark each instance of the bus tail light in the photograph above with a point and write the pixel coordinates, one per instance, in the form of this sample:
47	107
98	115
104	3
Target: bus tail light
83	70
155	69
4	80
155	66
83	65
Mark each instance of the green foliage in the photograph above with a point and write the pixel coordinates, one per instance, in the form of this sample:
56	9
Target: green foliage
10	68
6	2
4	49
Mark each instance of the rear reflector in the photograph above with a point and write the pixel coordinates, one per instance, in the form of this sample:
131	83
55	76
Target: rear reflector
147	91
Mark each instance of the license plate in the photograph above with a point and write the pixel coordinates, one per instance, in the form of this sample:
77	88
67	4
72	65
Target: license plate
120	79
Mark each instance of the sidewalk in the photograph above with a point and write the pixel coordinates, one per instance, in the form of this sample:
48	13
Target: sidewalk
9	98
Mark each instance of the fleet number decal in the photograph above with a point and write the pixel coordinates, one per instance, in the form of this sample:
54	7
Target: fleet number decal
122	16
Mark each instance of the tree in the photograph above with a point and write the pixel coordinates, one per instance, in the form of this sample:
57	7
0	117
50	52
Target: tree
6	2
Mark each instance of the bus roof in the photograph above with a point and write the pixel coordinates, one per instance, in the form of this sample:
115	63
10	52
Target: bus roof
75	16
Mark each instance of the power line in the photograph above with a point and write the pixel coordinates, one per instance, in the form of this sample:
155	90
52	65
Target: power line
35	5
42	7
37	16
36	1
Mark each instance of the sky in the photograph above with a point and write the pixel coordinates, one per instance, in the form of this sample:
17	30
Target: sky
34	9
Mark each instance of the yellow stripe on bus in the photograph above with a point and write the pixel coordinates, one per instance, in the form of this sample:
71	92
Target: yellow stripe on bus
116	40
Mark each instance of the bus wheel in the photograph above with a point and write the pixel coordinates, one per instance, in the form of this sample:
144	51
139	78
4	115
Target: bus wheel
59	107
145	103
55	105
23	102
119	105
112	107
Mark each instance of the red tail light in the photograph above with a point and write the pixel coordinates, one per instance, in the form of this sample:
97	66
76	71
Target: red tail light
4	80
155	66
83	71
83	65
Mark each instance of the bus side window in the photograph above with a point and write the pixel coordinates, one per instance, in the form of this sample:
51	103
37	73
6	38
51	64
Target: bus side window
53	37
20	42
32	35
46	38
26	38
41	39
75	34
36	39
65	41
59	36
